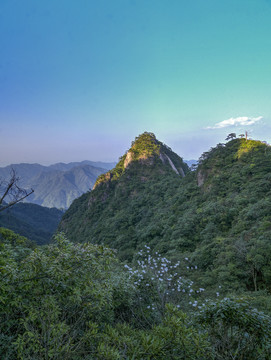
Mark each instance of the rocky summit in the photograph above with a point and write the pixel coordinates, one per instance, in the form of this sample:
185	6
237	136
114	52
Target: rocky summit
146	150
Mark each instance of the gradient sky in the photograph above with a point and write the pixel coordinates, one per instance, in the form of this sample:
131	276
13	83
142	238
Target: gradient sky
79	79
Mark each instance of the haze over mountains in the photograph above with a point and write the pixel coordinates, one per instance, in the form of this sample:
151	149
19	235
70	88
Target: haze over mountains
59	184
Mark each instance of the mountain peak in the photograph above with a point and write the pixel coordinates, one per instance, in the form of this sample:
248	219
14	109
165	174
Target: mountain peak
248	156
146	150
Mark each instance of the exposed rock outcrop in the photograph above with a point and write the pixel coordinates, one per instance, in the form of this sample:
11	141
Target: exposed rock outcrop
128	159
146	150
200	178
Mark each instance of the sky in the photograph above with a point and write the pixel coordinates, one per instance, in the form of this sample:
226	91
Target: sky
80	79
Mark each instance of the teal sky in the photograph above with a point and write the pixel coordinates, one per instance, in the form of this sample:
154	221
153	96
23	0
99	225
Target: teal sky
79	79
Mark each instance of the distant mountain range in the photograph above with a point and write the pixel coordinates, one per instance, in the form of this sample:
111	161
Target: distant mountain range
59	184
191	162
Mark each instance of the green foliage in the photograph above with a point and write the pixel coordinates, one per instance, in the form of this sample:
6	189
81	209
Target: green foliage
76	301
9	237
209	230
146	145
49	298
217	216
175	338
145	149
236	330
72	301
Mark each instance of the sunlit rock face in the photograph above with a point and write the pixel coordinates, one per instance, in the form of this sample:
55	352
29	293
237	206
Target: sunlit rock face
146	150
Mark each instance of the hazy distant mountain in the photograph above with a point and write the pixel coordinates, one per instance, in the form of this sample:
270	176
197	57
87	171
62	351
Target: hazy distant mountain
59	184
59	188
25	171
69	166
191	162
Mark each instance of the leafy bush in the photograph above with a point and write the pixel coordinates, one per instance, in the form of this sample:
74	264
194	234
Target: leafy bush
51	298
159	281
236	330
175	338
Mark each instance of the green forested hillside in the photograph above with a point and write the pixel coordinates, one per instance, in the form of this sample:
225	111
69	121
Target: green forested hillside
78	302
35	222
121	211
218	216
187	239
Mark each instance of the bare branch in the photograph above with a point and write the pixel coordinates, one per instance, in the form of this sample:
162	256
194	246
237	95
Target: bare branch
15	202
10	189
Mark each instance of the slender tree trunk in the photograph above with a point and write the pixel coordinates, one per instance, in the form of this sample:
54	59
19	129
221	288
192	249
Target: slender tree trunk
254	275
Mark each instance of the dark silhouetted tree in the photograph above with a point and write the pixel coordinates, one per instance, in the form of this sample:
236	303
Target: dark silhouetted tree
231	136
11	191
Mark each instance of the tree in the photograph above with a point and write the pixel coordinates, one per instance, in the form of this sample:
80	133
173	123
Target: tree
231	136
10	189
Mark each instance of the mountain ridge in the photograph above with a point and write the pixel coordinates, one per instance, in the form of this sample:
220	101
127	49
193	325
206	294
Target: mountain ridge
56	185
218	215
145	163
146	150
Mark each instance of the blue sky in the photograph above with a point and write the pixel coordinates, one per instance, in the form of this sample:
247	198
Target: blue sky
79	79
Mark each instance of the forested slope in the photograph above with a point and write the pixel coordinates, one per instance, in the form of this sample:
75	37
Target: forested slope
77	301
187	238
219	216
35	222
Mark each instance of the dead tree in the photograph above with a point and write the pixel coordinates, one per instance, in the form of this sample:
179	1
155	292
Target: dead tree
11	191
